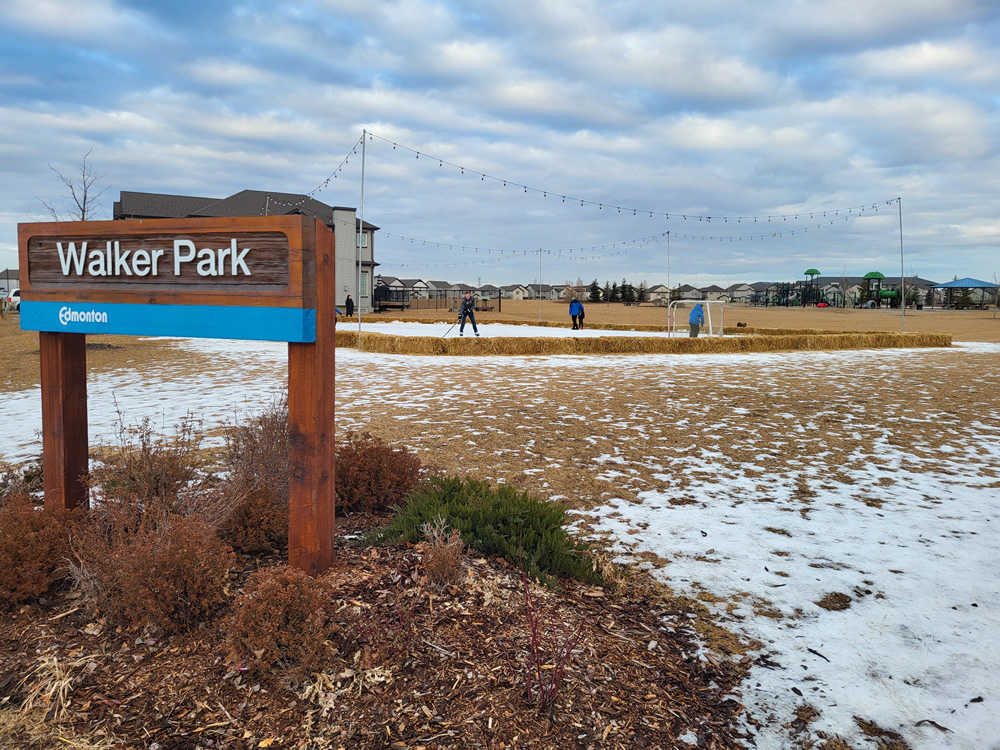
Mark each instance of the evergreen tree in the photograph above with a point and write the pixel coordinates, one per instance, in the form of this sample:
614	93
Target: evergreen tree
641	294
627	292
615	294
606	295
595	291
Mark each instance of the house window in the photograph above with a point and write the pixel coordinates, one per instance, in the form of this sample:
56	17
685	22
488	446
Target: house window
363	291
362	239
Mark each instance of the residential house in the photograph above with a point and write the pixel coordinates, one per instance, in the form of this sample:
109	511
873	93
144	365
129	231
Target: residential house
714	293
489	291
739	294
918	290
354	261
416	288
438	289
514	291
543	291
658	294
762	291
687	291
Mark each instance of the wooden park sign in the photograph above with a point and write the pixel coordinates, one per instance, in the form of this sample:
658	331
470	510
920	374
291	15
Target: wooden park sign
265	278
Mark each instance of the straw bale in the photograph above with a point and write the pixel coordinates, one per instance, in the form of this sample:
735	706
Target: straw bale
541	345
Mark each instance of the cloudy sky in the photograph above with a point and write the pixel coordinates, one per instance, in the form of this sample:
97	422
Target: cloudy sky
556	138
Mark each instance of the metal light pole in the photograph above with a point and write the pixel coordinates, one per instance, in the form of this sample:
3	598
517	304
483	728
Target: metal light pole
902	277
359	235
668	267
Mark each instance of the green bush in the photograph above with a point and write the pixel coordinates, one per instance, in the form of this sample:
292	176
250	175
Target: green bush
525	531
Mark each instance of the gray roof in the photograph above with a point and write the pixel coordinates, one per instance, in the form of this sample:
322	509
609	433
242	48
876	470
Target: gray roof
244	203
158	206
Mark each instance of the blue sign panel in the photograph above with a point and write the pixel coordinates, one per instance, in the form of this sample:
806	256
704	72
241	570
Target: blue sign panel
187	321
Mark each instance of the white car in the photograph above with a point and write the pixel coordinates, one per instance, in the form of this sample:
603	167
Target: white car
13	300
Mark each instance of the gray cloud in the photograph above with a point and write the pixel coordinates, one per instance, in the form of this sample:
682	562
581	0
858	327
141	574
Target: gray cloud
778	108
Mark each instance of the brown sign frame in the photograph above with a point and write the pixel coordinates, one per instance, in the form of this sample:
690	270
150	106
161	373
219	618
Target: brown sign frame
310	285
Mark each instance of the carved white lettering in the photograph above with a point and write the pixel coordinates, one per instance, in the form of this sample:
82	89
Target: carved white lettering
178	258
121	261
140	262
71	258
206	262
238	260
77	258
97	267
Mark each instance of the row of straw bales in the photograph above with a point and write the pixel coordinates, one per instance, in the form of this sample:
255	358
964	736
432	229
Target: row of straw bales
525	346
728	331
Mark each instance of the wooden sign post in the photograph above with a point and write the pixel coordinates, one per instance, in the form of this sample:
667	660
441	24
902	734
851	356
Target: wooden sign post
265	278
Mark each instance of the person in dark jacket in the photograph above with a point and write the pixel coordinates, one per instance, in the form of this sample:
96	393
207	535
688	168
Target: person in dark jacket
467	310
576	313
696	320
349	306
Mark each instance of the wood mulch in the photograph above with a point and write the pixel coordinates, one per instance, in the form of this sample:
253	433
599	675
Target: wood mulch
451	671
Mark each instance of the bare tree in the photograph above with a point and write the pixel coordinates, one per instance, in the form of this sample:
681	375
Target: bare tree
81	191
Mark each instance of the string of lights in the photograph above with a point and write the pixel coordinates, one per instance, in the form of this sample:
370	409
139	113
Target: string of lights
272	200
726	219
506	255
626	245
333	175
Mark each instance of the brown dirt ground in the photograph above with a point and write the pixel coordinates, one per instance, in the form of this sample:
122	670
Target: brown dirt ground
620	691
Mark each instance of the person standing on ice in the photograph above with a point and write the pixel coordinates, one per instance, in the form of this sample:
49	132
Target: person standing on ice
467	309
696	320
576	313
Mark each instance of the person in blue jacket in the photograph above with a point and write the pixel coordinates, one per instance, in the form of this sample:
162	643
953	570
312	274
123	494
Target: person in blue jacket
696	320
576	312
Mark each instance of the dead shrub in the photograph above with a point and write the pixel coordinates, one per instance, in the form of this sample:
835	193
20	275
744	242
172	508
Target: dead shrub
258	522
256	459
34	544
168	572
281	618
23	481
158	474
371	475
443	553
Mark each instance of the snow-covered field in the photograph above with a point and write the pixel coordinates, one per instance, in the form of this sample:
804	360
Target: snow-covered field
768	481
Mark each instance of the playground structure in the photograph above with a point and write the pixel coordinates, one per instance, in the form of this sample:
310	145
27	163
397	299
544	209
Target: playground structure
707	304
